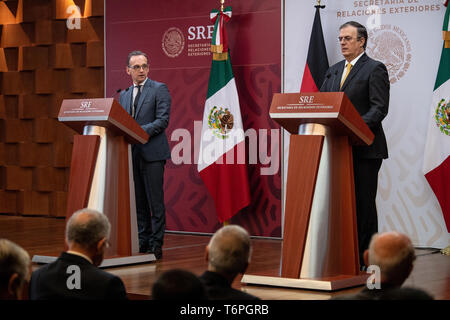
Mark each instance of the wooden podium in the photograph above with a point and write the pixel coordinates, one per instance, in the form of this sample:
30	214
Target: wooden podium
101	172
320	241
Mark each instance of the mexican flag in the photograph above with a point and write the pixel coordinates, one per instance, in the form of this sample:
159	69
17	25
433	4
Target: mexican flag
222	157
436	165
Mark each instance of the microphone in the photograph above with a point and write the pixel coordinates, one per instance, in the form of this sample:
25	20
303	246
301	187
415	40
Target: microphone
327	76
119	90
335	77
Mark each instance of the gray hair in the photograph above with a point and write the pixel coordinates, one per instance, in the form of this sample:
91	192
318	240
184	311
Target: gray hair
398	262
87	232
229	250
136	53
13	259
361	30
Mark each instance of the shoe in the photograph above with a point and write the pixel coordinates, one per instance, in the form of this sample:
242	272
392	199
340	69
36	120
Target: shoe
157	251
143	248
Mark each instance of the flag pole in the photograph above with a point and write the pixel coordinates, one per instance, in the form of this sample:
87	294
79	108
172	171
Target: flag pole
222	2
318	5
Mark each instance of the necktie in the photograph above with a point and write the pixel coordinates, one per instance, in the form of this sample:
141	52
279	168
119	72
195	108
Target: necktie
349	67
136	101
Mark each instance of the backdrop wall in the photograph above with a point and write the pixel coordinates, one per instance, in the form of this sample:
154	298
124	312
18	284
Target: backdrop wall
176	35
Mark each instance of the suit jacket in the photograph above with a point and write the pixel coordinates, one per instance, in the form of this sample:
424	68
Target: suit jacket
50	281
218	288
367	86
152	114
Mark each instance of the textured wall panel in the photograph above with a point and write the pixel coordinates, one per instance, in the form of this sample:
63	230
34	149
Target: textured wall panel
58	203
86	80
2	107
34	10
61	56
16	35
10	59
15	130
12	84
10	107
17	178
95	9
15	83
44	130
33	203
10	154
42	62
8	201
34	154
7	16
31	58
61	154
49	179
78	54
44	81
91	29
32	106
2	155
95	54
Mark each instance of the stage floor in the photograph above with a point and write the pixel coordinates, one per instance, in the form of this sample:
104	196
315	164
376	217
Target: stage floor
45	236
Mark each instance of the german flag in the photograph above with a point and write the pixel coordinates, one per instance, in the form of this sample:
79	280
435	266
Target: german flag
317	61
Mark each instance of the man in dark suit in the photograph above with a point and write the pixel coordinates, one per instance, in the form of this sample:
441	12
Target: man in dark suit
366	83
228	254
148	102
75	274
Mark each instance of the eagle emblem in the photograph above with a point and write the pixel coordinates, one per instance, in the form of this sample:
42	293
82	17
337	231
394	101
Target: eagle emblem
442	116
220	121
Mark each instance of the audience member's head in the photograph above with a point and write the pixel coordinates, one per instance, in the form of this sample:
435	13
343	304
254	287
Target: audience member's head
15	267
87	232
228	252
394	254
178	284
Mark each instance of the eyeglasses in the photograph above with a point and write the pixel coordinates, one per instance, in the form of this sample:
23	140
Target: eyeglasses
137	67
346	38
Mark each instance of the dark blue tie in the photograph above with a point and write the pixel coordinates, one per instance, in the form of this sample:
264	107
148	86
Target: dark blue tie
136	101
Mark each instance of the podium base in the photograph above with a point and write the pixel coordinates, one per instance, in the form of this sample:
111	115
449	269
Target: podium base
324	284
109	262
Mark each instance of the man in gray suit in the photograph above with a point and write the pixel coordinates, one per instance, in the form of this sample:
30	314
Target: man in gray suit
148	102
366	83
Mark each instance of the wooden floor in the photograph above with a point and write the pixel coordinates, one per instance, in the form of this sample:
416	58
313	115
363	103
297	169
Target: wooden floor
45	236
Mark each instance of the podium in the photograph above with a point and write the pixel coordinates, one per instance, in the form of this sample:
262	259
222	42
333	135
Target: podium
101	173
320	241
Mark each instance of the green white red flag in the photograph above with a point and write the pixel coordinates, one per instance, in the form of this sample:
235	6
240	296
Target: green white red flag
436	165
222	147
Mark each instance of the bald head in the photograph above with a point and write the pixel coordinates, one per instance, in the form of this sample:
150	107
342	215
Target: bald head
86	227
394	253
229	250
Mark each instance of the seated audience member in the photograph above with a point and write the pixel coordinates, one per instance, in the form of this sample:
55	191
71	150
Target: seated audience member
75	274
178	284
228	254
15	268
394	254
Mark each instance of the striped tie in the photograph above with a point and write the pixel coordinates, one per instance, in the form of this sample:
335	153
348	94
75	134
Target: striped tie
349	67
